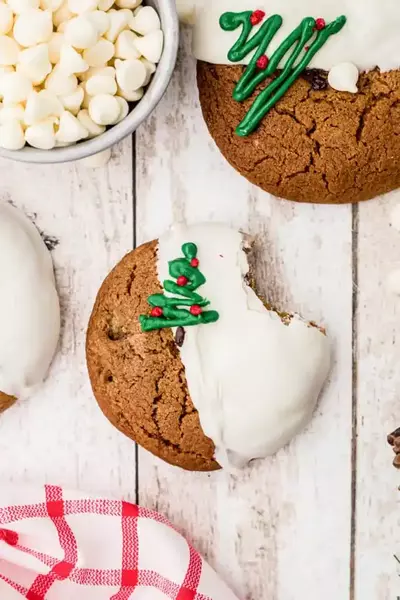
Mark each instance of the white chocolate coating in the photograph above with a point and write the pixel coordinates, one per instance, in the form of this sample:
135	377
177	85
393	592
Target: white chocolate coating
369	39
254	380
29	305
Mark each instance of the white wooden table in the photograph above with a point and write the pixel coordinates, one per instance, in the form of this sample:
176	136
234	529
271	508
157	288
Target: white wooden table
321	519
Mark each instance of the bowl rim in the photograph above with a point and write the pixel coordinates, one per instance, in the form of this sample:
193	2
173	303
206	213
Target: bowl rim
152	96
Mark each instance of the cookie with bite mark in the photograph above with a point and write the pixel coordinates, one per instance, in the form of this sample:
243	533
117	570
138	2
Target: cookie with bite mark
186	359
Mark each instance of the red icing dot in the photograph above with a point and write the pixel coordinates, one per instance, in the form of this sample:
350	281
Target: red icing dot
262	62
182	280
194	262
306	48
320	24
196	310
256	17
157	311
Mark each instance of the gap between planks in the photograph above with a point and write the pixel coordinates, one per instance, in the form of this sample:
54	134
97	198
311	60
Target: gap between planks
354	395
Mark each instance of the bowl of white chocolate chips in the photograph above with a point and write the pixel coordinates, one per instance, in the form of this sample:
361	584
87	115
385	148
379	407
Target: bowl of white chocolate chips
77	76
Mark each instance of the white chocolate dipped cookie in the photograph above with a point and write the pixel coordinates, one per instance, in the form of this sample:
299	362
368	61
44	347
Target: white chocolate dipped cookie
30	305
301	98
187	360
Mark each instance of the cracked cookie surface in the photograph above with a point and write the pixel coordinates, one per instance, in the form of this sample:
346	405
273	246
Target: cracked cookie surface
138	378
313	146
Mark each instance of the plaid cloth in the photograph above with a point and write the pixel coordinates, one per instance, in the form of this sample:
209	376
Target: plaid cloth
60	545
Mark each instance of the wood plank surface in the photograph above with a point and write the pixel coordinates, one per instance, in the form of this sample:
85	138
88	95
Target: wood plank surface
59	435
377	573
281	529
291	526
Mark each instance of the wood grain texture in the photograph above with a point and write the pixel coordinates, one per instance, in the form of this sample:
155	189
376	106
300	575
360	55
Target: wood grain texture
281	529
60	435
377	524
291	526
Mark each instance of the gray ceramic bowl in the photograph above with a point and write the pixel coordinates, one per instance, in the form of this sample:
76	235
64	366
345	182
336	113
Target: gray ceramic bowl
159	83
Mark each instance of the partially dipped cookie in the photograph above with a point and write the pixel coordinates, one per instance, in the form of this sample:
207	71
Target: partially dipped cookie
29	305
188	361
302	98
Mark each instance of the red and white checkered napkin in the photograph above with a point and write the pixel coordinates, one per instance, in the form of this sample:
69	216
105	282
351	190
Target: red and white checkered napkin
60	545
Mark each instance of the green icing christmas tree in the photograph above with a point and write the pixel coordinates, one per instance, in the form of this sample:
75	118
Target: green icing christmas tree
170	311
300	46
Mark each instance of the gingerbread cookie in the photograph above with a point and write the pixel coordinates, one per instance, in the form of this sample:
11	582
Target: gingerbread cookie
185	358
29	304
302	98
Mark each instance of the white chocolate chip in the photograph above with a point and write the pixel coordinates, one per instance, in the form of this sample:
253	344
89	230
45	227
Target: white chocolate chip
32	27
99	54
131	96
128	3
101	21
106	71
73	102
151	45
9	51
6	19
344	77
62	15
12	135
150	69
125	45
19	6
34	63
12	112
93	128
104	109
51	5
131	74
15	87
54	45
80	32
128	15
146	21
71	61
100	84
105	4
86	97
41	135
82	6
8	69
123	108
150	66
61	84
40	106
70	129
97	160
118	22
